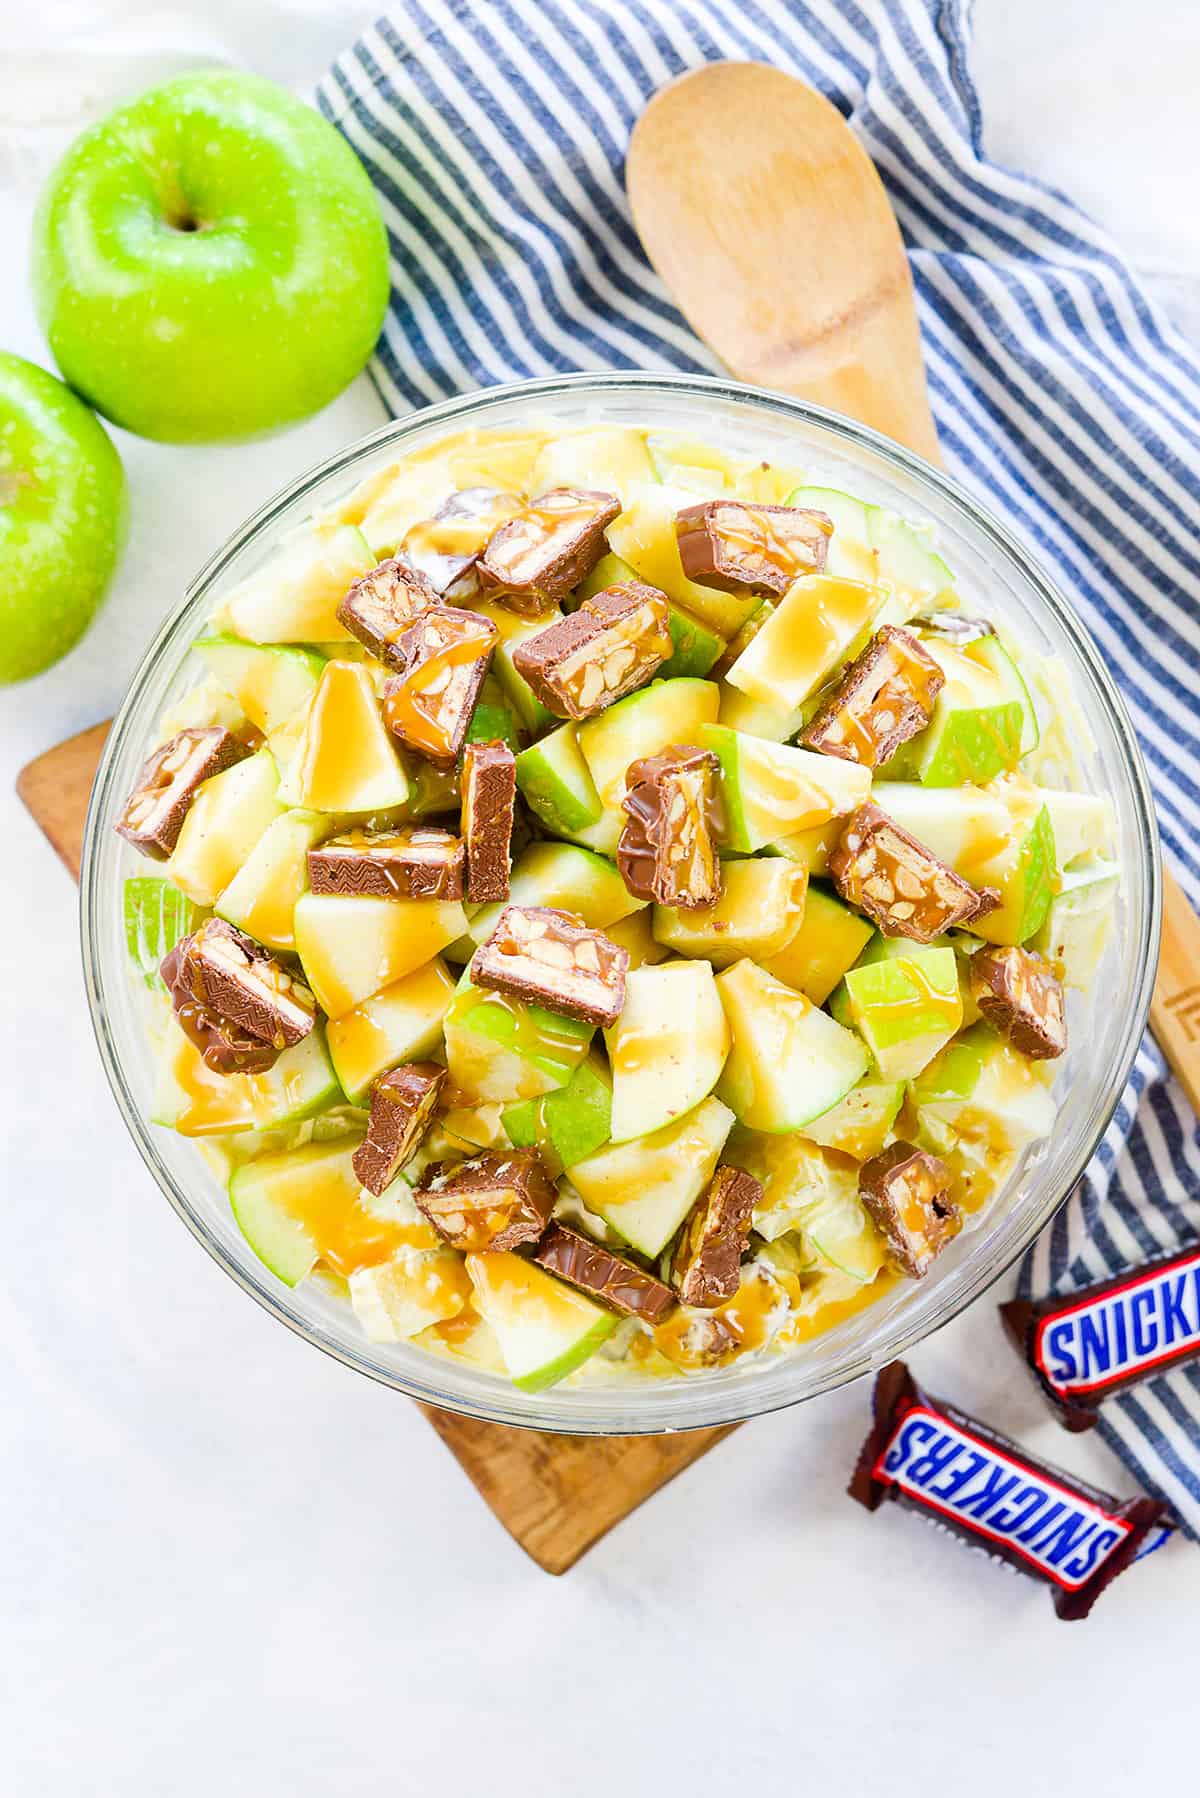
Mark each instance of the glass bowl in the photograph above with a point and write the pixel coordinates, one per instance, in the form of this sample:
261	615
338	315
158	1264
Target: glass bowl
993	570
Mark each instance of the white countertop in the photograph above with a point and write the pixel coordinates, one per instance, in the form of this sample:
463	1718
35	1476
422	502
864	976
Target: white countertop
228	1564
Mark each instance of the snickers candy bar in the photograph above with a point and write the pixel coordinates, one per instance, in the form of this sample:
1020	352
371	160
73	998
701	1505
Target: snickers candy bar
706	1264
547	957
612	644
884	698
242	982
446	547
1021	997
1110	1335
907	1194
900	885
445	656
417	861
604	1276
155	810
953	627
929	1457
667	850
381	606
489	795
402	1105
535	559
744	548
224	1047
495	1201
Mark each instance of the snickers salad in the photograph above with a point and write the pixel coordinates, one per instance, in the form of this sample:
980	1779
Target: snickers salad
607	905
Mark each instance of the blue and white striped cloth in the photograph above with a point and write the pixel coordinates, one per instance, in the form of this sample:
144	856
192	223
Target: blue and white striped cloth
496	135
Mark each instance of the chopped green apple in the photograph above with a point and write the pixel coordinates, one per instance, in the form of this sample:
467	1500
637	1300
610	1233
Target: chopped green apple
978	723
810	631
351	948
851	555
418	1286
696	645
565	876
760	910
811	848
1082	824
513	629
157	916
545	1329
756	719
401	1023
862	1123
788	1062
345	759
644	537
645	1188
830	939
503	1050
968	827
269	682
569	1124
281	1201
493	720
635	935
987	1093
193	1100
772	790
667	1048
557	786
225	821
607	459
1079	922
644	723
814	1194
294	598
1025	875
905	1006
261	897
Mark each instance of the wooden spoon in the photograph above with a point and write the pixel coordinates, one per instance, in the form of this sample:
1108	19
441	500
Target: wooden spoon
770	226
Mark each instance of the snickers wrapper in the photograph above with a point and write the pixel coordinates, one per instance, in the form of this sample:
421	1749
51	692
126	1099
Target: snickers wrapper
932	1458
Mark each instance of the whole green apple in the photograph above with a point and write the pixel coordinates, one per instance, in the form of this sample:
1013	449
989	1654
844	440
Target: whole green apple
62	510
210	261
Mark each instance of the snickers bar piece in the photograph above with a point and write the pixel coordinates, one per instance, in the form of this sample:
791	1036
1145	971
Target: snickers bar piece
930	1457
901	886
446	547
743	548
907	1194
535	559
604	1276
496	1201
489	795
1113	1334
884	698
1021	997
402	1105
550	958
706	1264
667	850
612	644
234	1000
953	627
417	861
224	1047
445	656
155	810
381	606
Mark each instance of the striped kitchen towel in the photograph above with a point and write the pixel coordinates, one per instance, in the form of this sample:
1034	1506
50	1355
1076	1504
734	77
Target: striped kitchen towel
496	135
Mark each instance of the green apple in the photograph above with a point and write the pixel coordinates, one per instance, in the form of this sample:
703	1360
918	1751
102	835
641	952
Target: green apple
1079	921
545	1329
569	1124
645	1188
157	916
294	596
905	1005
351	948
667	1047
696	646
270	683
261	897
273	1197
190	1098
504	1050
789	1062
772	790
981	720
423	1283
210	261
226	819
567	877
665	712
862	1122
811	848
345	759
62	516
815	1195
756	719
606	459
644	537
557	786
513	629
830	939
992	1098
403	1022
811	630
759	912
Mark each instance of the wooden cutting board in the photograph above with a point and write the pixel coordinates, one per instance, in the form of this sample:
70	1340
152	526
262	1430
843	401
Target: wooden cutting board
555	1495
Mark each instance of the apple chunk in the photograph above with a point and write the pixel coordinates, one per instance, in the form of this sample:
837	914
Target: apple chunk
830	939
645	1188
351	949
227	818
811	630
667	1047
773	790
502	1050
904	1001
545	1329
403	1022
759	911
345	760
294	597
788	1062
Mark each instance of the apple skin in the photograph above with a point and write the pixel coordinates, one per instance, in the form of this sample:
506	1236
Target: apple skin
210	261
62	517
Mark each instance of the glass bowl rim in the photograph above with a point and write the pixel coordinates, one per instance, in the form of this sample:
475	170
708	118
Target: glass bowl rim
735	1402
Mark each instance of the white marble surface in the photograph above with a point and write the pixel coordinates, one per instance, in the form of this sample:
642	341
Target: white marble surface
228	1564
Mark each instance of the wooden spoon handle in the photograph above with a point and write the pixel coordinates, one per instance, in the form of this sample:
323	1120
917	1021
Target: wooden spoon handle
1175	1006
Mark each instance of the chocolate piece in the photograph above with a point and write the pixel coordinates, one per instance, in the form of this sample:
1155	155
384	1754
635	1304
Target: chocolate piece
415	862
885	697
1020	996
930	1457
900	885
381	606
489	795
445	654
239	980
707	1262
611	645
402	1104
603	1275
667	850
954	627
907	1193
495	1201
224	1047
446	547
1110	1335
550	958
155	810
744	548
535	559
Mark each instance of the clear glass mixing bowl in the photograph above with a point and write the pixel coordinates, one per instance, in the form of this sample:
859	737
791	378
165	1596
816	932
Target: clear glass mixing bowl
994	572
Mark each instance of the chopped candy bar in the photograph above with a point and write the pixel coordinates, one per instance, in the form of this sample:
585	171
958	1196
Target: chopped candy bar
706	1265
907	1193
605	1276
244	983
955	627
446	547
402	1104
885	697
381	607
155	810
611	645
539	556
667	850
550	958
224	1047
744	548
445	656
900	885
489	792
415	862
1020	996
496	1201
